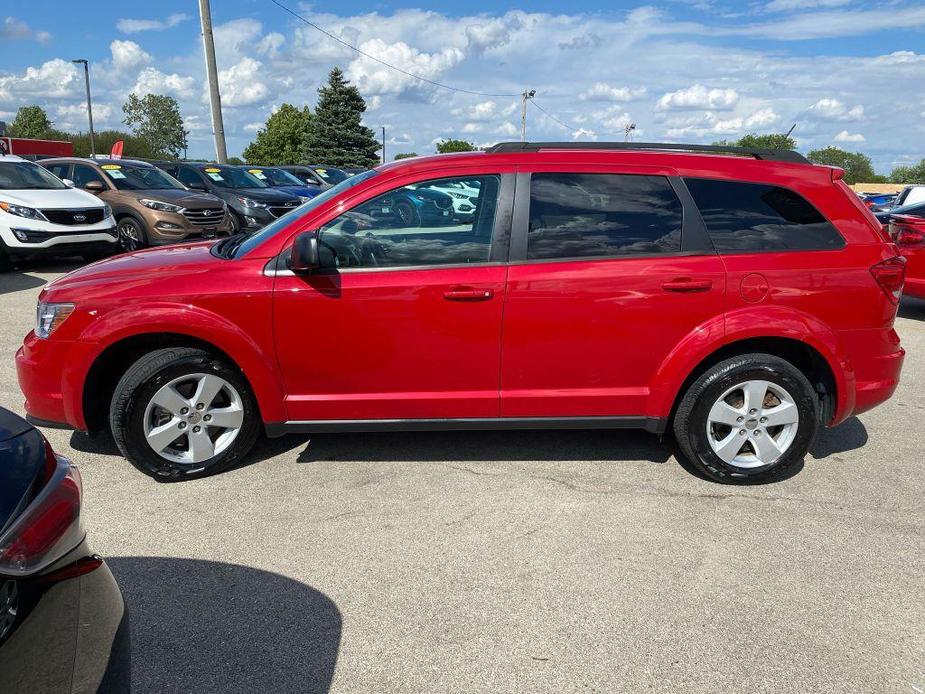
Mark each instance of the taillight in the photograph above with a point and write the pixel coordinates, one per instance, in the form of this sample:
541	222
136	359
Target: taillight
49	527
890	275
907	236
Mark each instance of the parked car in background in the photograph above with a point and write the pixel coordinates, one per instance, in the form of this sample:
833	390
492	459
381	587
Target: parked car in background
329	174
910	195
908	233
915	210
279	179
740	298
354	170
151	208
877	201
41	215
307	175
463	195
63	623
252	203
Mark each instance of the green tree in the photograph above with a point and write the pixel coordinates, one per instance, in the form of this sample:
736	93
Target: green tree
280	140
858	167
752	141
909	174
133	146
405	155
447	146
337	135
30	121
156	119
235	161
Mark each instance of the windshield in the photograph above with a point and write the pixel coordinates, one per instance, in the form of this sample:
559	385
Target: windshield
248	243
330	174
24	175
230	177
276	177
140	178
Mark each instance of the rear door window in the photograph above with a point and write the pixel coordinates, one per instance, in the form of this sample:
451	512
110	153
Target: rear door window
753	217
581	215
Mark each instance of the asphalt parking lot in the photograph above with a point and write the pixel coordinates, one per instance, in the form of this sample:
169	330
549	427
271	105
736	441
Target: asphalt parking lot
515	562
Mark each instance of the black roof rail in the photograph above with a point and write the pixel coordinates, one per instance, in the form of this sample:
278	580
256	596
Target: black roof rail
764	154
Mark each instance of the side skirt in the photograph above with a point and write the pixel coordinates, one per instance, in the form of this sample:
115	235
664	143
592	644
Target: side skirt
654	425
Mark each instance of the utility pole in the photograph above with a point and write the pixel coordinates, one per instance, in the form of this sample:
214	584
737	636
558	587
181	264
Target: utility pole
383	144
215	99
83	61
523	113
630	127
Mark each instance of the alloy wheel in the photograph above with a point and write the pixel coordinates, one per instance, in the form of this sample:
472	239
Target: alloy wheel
752	424
129	236
193	418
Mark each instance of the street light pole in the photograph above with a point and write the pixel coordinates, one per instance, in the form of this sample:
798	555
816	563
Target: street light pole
83	61
215	99
383	144
523	113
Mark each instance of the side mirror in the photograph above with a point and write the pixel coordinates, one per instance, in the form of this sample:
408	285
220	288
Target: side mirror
94	187
305	256
196	185
68	182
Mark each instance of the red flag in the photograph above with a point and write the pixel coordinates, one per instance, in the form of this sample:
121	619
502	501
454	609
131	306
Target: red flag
116	152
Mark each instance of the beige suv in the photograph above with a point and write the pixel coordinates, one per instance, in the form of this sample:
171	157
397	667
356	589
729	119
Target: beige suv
151	207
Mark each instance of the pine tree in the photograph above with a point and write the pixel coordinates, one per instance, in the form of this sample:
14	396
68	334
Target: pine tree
279	141
337	136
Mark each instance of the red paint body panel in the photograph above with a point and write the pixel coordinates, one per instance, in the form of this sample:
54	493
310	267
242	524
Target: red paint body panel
913	251
592	337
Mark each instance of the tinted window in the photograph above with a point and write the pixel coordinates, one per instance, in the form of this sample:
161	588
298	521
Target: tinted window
756	217
59	170
84	174
24	175
188	177
126	177
446	221
599	215
232	177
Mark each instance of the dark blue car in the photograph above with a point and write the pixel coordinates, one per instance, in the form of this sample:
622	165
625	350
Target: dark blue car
284	181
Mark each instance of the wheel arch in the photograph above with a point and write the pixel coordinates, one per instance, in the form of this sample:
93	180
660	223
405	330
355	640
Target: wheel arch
111	363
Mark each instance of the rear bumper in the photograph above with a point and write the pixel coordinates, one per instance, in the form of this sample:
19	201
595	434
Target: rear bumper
877	360
914	287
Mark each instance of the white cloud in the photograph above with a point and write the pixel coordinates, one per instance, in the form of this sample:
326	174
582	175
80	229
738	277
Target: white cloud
584	133
253	127
901	58
12	28
74	116
790	5
53	79
128	56
133	26
152	81
601	91
493	33
709	124
241	84
698	97
270	44
375	78
845	136
833	109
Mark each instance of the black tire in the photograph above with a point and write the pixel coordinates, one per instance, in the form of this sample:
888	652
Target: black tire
132	234
407	215
690	420
235	223
139	384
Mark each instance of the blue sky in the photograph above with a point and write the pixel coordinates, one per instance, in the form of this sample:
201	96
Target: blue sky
848	73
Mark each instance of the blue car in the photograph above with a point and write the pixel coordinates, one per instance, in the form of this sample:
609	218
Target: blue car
282	180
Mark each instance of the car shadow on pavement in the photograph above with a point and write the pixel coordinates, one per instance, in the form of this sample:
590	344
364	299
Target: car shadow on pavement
474	446
911	307
847	436
203	626
18	279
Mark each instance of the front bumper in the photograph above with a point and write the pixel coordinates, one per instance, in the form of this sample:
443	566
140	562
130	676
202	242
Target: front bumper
166	228
29	237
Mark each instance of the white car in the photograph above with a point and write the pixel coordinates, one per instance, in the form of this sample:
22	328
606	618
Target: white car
41	214
910	195
465	196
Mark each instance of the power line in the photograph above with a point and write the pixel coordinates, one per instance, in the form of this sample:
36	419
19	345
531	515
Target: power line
552	117
380	61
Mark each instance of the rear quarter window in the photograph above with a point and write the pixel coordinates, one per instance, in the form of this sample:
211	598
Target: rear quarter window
751	217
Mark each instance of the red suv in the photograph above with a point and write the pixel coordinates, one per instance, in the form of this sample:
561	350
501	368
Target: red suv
742	298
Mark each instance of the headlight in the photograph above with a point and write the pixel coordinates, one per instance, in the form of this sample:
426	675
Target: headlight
107	210
20	210
49	316
458	196
160	206
248	202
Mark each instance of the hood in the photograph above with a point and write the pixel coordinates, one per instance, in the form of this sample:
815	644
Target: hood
178	196
303	191
99	278
271	195
51	199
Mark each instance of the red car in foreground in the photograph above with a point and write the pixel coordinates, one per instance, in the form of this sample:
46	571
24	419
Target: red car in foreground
742	298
